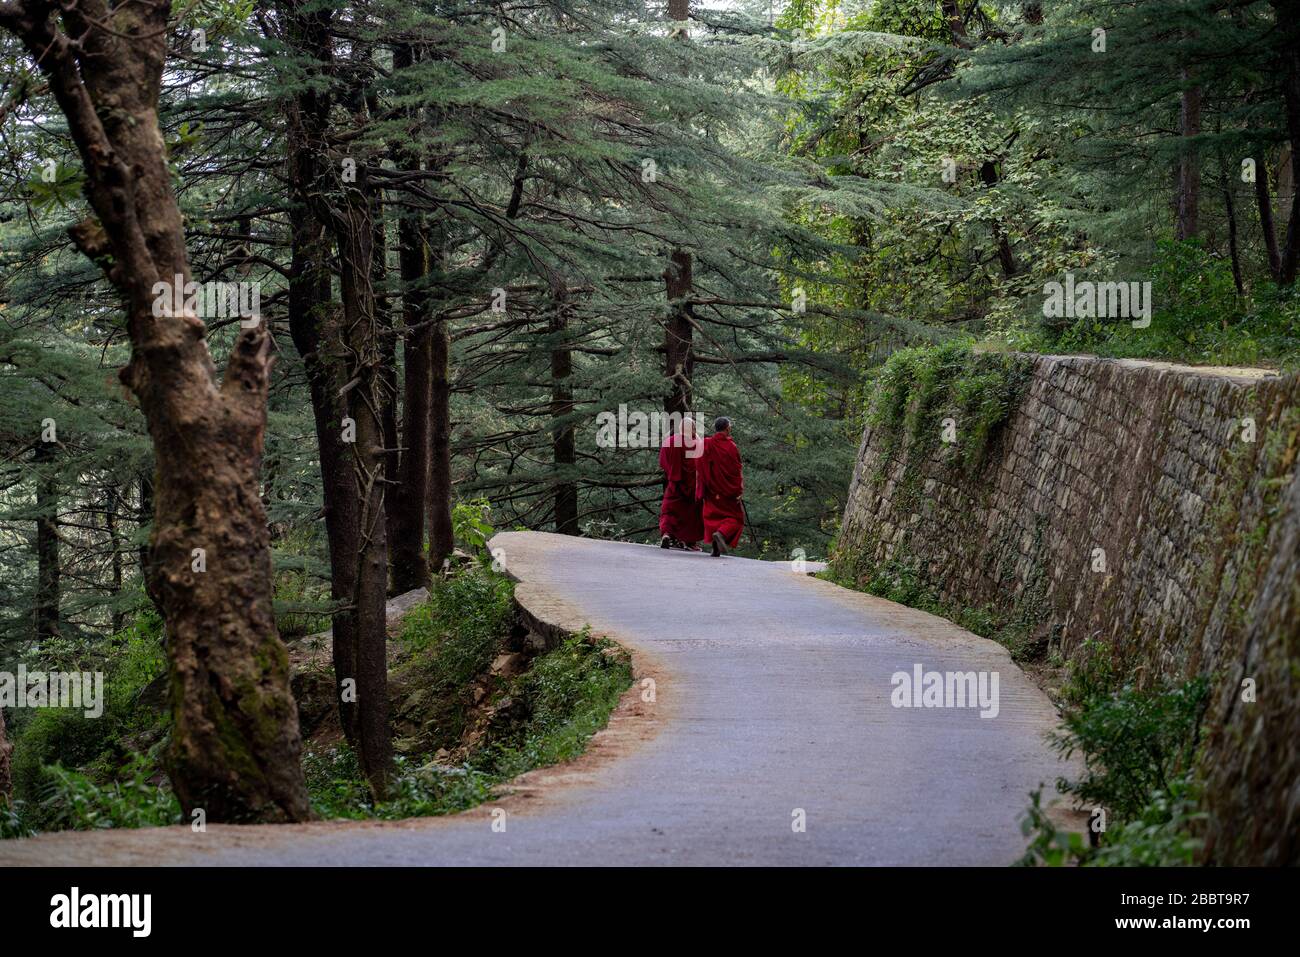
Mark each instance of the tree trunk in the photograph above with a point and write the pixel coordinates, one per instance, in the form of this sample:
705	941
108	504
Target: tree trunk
115	542
1233	250
313	323
1285	186
363	363
679	335
343	205
386	332
1287	21
47	543
315	326
6	749
1265	206
149	571
1006	255
1189	166
954	17
441	537
410	568
563	443
235	744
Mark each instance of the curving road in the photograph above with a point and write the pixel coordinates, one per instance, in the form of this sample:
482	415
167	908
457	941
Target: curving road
771	696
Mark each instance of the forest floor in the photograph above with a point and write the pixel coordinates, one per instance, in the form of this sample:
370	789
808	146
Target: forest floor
759	730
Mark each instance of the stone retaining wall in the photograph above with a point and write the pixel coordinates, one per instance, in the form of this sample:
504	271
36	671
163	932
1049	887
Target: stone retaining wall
1154	509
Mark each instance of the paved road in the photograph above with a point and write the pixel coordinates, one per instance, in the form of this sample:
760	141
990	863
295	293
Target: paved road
771	697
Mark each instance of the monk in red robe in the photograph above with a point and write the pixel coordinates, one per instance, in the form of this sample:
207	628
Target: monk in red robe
680	522
720	486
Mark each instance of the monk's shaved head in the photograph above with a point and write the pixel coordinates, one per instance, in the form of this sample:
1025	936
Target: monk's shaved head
688	425
721	424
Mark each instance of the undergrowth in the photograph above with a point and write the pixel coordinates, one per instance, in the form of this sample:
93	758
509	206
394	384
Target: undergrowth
1198	318
542	716
902	581
1139	786
108	751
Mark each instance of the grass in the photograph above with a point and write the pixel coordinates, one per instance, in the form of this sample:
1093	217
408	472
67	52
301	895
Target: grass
901	581
541	716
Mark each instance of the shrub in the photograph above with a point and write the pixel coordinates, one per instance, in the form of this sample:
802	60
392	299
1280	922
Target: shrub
1197	317
543	716
917	388
462	622
74	801
1134	744
471	528
13	823
1161	834
1090	674
1138	749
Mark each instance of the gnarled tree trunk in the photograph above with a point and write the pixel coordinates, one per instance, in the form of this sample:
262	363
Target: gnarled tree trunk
235	742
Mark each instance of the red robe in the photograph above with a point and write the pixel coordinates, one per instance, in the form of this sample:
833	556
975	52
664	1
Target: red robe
679	514
720	486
